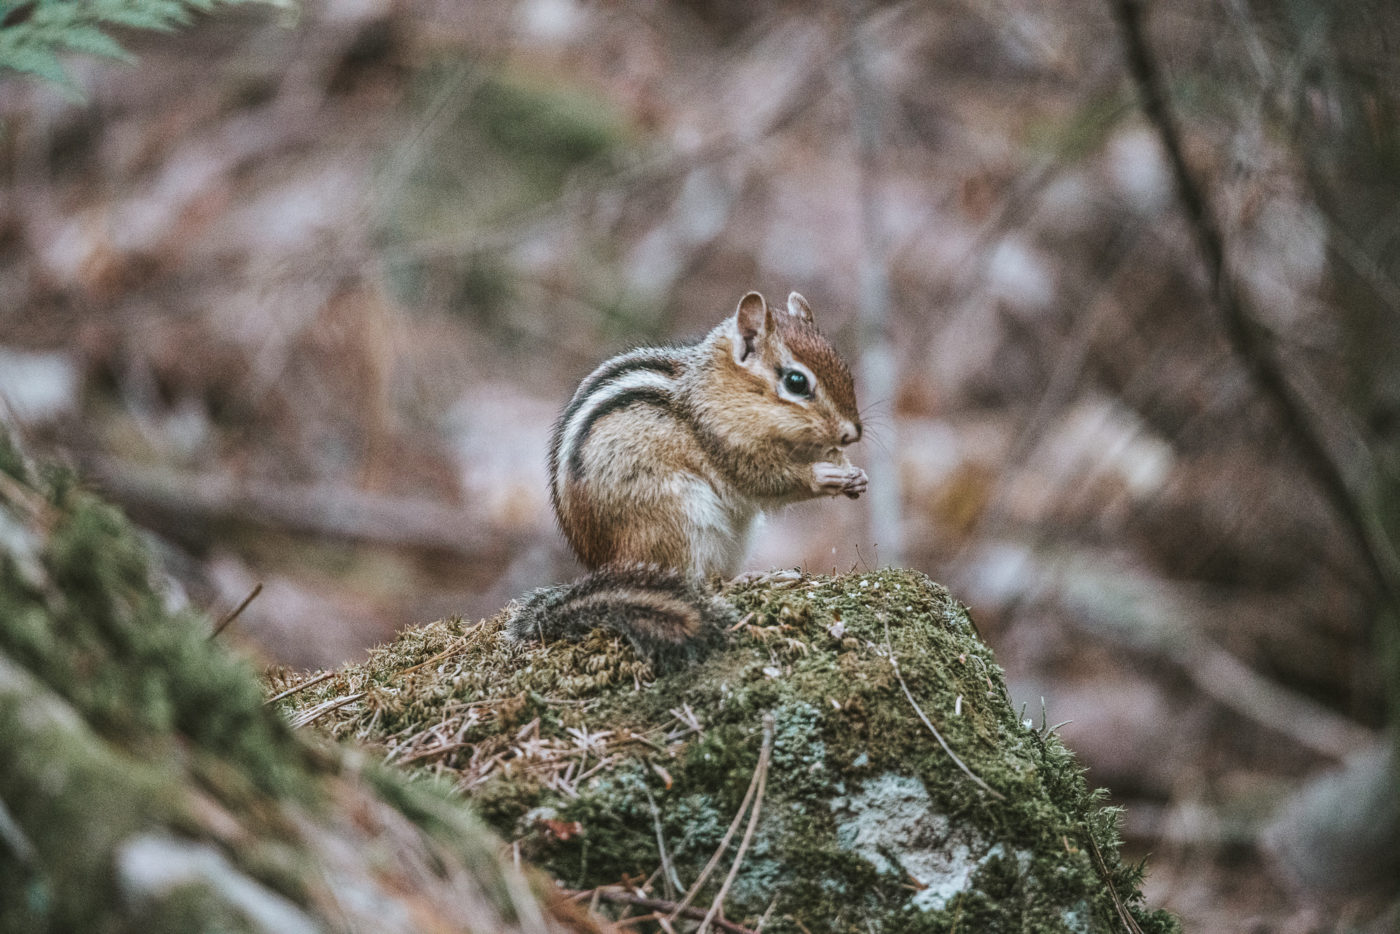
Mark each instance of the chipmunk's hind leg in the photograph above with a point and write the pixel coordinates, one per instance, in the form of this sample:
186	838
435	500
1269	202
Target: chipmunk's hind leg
669	617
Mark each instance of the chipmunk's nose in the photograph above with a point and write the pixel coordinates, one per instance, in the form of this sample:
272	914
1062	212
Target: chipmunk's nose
850	433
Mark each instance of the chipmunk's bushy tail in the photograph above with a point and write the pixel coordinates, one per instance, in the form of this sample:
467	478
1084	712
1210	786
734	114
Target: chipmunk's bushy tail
668	616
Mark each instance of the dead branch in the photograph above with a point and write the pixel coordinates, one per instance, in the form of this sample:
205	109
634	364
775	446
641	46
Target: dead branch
1223	677
177	502
1142	614
1248	339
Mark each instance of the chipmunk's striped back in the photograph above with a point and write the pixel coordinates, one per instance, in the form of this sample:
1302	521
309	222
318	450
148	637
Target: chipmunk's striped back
632	476
645	376
664	458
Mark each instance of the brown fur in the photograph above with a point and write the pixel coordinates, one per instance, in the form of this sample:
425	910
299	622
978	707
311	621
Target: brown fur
766	445
812	348
650	533
663	458
667	616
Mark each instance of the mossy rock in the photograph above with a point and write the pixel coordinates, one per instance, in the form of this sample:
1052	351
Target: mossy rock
148	787
813	714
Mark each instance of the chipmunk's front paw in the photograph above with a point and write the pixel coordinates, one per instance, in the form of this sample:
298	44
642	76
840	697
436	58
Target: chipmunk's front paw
859	483
830	479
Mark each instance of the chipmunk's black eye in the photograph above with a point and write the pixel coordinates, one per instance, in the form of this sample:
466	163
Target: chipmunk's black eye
795	382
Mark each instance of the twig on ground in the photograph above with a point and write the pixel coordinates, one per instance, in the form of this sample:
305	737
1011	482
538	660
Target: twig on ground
625	897
894	663
433	751
233	614
761	773
754	782
668	871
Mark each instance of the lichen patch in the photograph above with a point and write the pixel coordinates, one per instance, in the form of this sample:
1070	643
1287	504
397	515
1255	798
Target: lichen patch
892	817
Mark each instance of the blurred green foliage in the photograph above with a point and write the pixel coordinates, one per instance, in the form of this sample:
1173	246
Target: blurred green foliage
485	149
545	130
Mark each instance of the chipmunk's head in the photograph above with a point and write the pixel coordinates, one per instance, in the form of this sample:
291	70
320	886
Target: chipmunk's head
797	370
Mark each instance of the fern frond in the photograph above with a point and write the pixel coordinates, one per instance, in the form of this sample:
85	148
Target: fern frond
35	33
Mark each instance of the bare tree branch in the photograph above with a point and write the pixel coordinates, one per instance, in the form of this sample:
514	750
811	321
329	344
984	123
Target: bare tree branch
1248	339
181	504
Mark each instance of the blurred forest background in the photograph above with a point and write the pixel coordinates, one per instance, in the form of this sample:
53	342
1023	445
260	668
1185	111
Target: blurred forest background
305	287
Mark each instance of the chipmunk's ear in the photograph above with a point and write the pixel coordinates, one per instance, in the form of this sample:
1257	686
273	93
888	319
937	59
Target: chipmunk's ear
754	322
798	307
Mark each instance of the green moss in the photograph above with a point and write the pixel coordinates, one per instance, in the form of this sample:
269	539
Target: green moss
575	751
95	630
147	786
56	777
110	703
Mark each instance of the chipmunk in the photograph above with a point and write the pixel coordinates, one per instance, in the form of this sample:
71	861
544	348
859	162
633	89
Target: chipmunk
665	457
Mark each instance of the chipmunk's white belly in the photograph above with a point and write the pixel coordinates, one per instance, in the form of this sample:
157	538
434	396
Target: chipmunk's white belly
720	528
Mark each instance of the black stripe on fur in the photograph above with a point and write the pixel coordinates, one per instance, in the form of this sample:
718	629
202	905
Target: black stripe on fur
647	395
668	617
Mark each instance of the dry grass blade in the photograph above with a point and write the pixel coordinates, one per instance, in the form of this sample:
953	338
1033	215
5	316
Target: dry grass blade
668	871
761	773
233	614
1123	915
300	687
894	663
754	782
18	495
766	915
458	646
312	714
